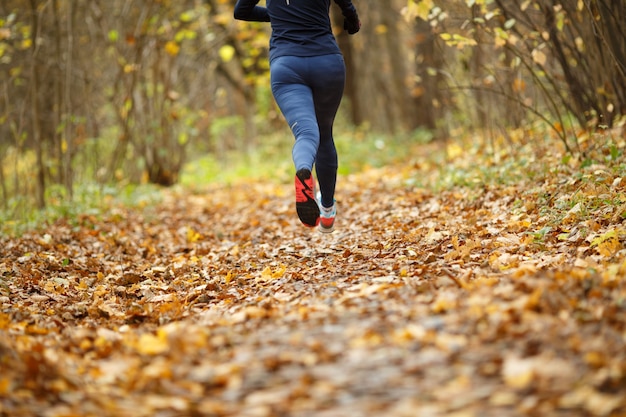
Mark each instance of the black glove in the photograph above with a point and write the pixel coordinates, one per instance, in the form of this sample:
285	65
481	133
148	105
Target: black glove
352	25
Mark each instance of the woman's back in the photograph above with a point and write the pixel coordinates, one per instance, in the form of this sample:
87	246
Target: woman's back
301	28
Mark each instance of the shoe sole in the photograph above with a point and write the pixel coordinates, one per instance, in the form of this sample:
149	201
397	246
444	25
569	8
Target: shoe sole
327	229
308	211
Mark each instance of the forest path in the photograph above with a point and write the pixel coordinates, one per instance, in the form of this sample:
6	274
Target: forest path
465	302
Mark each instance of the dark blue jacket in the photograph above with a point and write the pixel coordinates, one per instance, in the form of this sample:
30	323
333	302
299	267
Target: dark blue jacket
299	27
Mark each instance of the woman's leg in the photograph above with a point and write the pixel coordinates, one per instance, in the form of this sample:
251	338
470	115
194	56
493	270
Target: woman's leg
328	85
295	100
294	97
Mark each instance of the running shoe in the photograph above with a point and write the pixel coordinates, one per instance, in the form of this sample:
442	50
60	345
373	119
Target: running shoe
306	206
327	218
327	215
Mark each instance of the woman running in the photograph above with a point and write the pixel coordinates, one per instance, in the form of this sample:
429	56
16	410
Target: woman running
307	73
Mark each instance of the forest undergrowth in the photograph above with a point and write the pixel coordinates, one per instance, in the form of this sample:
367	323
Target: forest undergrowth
466	280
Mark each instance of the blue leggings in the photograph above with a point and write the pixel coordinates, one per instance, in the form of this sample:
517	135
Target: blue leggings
308	91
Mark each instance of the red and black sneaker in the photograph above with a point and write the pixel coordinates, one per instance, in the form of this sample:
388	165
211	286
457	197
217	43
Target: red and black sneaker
306	206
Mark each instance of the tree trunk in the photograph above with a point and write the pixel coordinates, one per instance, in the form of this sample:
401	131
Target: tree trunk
381	83
427	92
68	146
3	186
350	92
34	92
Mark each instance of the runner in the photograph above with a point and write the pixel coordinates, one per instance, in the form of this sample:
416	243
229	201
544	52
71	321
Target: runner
308	75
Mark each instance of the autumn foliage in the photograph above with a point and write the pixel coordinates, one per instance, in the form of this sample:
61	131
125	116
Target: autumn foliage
465	285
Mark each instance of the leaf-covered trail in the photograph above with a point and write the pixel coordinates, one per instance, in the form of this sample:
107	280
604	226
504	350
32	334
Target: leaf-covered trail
459	303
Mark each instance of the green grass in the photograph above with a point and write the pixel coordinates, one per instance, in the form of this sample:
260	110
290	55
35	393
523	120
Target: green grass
472	164
89	200
271	161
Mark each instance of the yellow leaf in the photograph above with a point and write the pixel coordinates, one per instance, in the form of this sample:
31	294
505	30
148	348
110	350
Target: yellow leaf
227	52
34	329
607	244
5	385
5	321
186	16
608	247
279	272
454	150
192	235
150	344
85	344
595	359
172	48
381	29
419	9
268	274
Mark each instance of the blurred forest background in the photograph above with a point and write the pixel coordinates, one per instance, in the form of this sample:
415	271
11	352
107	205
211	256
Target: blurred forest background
107	92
